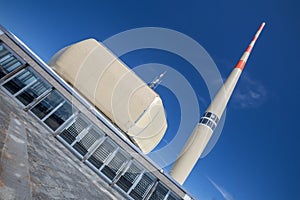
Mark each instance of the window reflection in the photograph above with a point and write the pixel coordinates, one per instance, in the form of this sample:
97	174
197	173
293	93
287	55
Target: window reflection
59	116
8	62
23	79
47	105
33	92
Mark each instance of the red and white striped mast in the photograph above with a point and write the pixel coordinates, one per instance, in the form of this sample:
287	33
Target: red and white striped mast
202	133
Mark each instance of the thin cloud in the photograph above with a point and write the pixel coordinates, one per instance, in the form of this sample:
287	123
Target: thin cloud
222	191
250	93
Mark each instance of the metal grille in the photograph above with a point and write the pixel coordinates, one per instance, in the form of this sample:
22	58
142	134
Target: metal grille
143	186
70	134
127	179
102	153
173	197
159	193
111	170
87	141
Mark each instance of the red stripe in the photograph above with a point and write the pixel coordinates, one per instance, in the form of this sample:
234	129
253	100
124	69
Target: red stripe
255	38
240	64
249	48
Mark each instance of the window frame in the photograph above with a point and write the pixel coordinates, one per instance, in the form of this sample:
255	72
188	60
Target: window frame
16	70
65	123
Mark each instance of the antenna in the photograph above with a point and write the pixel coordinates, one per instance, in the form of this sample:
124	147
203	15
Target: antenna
202	133
157	80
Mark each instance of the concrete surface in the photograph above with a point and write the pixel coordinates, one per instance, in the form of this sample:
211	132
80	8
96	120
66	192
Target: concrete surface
34	165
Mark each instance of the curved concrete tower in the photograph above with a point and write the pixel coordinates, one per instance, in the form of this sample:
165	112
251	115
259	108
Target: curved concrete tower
95	72
202	133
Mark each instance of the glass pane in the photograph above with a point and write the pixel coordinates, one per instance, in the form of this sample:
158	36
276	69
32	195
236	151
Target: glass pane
47	105
33	92
204	121
102	153
8	62
159	193
20	81
129	177
143	186
59	116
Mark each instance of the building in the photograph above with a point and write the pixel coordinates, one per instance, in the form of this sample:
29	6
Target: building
45	99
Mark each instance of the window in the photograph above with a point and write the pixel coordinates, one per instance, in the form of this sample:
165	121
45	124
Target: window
26	86
24	78
204	120
102	153
173	197
33	92
143	187
47	105
129	176
115	165
69	134
159	193
87	141
211	116
53	110
59	116
8	62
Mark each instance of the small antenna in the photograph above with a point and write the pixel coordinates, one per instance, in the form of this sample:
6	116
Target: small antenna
157	80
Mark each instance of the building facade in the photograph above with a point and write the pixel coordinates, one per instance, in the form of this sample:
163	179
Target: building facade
83	129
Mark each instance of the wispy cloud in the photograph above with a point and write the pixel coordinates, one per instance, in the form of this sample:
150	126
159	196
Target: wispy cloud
250	93
222	191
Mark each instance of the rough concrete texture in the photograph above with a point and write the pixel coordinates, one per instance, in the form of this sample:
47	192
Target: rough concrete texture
34	165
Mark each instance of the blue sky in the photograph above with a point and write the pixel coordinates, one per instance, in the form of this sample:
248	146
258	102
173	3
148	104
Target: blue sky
257	155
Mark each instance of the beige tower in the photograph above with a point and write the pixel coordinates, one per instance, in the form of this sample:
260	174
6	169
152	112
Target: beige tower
202	133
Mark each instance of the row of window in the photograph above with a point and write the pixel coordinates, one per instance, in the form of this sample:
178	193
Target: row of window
211	116
79	134
209	119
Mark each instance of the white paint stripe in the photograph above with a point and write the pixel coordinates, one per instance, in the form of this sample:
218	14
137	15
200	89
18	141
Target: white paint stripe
252	43
245	56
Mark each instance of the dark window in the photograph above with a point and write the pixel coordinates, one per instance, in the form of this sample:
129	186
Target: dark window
59	116
208	114
143	186
159	193
204	121
47	105
173	197
31	93
129	177
20	81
